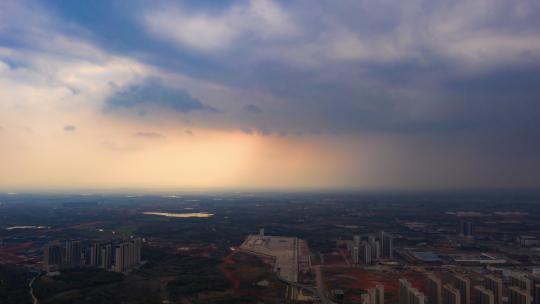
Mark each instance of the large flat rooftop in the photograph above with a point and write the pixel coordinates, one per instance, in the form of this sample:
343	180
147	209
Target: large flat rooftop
283	249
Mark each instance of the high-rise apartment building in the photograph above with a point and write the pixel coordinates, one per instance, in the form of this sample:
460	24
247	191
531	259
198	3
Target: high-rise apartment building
379	294
365	299
72	253
376	294
403	292
494	284
536	293
466	228
356	240
127	255
138	245
377	252
372	296
517	295
95	255
521	281
482	295
68	253
387	245
106	256
434	289
365	253
408	294
119	261
463	284
416	297
450	295
76	254
355	251
375	247
52	256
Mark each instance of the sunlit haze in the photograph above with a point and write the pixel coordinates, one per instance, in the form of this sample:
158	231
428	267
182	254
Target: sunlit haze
368	95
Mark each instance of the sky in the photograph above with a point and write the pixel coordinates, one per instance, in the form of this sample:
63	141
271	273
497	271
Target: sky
260	94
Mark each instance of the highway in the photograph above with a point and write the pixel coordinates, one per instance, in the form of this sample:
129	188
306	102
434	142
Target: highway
31	288
313	290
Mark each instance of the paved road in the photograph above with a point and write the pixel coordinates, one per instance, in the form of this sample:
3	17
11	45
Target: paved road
313	290
318	277
30	285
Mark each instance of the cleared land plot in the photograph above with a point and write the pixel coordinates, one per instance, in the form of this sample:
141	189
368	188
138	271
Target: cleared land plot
283	249
355	281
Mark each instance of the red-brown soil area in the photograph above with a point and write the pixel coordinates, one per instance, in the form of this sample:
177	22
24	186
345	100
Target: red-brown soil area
9	253
349	278
334	258
231	276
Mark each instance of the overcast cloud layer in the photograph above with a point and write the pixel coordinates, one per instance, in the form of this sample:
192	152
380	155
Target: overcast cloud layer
452	85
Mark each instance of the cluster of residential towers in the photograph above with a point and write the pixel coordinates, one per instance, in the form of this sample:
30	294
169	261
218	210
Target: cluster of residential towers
370	250
458	290
117	255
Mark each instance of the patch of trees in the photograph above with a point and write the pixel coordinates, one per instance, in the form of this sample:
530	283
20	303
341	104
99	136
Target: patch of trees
14	285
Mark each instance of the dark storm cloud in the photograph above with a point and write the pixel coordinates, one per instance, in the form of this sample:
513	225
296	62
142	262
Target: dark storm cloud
153	93
442	69
70	128
439	82
362	66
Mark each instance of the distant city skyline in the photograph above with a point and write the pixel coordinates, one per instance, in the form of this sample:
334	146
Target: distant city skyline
269	95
